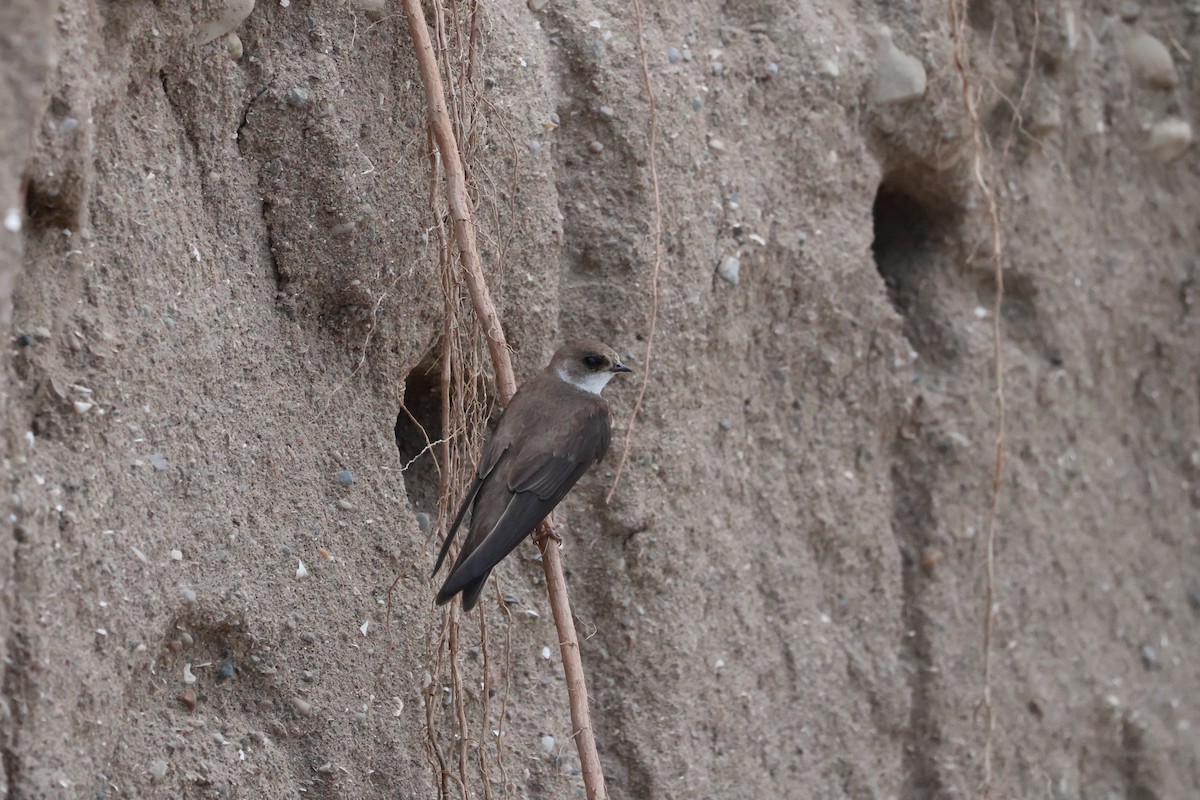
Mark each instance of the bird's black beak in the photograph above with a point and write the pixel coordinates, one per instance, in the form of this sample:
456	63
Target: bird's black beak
620	368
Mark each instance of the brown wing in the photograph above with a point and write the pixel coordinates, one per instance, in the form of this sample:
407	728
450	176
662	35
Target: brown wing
523	489
493	450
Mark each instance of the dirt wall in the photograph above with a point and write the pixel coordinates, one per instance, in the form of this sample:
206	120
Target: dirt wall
221	275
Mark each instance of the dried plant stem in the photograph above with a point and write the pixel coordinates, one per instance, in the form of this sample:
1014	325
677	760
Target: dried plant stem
485	311
460	708
456	195
568	645
958	13
652	146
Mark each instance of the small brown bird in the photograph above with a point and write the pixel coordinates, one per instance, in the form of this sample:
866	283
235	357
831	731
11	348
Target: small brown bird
556	426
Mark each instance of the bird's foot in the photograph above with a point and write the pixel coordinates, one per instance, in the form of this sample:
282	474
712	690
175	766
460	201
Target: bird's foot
549	530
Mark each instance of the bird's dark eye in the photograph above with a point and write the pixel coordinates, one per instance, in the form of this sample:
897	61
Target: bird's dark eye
593	362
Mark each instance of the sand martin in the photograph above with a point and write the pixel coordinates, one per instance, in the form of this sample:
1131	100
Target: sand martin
556	426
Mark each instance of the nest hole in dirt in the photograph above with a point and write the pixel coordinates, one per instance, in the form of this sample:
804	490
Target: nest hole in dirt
418	426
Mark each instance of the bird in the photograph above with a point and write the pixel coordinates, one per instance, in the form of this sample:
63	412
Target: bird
555	427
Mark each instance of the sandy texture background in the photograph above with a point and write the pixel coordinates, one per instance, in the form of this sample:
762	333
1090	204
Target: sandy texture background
220	279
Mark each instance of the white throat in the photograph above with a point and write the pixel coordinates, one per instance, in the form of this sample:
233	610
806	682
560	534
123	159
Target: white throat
593	382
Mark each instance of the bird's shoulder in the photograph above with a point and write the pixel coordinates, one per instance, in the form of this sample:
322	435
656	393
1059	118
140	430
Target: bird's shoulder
550	414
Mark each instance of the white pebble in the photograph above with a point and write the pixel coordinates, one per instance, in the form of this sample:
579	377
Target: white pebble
177	555
233	46
546	653
1169	138
12	220
1150	61
188	677
730	270
82	406
301	570
548	744
140	555
898	76
364	627
223	19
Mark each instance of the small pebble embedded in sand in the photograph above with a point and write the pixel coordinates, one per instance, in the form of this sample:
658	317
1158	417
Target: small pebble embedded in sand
302	706
233	46
188	676
548	744
1169	138
374	9
298	97
12	220
1150	61
899	77
1149	656
301	570
730	270
345	477
222	18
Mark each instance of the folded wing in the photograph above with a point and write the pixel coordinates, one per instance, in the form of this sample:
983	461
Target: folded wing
523	487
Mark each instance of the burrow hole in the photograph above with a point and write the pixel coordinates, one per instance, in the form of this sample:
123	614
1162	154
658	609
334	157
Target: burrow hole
418	425
915	246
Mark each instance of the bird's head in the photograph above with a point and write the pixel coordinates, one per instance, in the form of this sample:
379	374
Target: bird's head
587	364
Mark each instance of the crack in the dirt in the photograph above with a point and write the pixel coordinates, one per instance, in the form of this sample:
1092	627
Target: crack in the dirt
15	694
911	522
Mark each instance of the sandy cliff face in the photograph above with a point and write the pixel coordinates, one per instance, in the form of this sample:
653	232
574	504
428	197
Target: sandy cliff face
221	274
